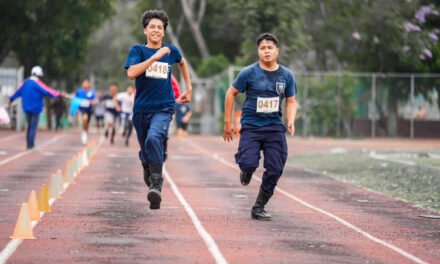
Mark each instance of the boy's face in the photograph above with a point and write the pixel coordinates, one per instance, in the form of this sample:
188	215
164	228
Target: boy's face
113	89
154	31
268	51
86	84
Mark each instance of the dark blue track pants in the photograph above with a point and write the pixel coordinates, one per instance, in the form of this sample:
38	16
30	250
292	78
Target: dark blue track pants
32	127
272	141
151	130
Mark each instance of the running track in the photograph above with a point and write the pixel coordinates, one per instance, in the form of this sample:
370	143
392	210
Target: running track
205	214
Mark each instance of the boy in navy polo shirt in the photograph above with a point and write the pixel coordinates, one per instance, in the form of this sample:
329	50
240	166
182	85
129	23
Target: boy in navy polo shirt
150	64
265	84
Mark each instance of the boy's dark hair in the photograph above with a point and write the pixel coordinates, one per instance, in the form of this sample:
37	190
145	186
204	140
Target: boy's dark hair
268	36
154	13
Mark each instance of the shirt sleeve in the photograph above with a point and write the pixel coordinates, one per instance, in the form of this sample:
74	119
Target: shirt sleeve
177	54
46	90
240	83
291	85
134	57
17	92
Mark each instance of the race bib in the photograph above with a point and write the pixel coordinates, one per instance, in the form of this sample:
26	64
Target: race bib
158	70
109	104
85	103
268	105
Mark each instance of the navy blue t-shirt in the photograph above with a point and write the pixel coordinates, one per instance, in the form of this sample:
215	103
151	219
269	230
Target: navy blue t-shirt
263	88
154	92
90	95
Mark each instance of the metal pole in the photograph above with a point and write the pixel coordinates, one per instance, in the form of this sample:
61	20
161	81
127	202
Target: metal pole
338	106
412	108
20	114
373	110
305	107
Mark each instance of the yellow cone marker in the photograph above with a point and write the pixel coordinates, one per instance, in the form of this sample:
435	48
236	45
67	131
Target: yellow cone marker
34	212
43	199
23	228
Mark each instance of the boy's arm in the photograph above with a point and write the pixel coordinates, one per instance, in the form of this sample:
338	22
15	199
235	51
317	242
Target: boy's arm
186	96
291	114
229	105
136	70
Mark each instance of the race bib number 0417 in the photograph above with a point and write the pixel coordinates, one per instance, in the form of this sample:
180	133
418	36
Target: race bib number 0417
268	105
158	70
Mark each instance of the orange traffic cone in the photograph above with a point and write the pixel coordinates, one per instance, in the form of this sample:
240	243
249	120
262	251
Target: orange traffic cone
23	228
43	200
33	207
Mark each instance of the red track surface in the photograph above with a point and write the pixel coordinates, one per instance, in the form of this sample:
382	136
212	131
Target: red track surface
104	217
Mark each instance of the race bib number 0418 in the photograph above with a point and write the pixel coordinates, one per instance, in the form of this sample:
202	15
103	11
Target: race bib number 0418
158	70
268	105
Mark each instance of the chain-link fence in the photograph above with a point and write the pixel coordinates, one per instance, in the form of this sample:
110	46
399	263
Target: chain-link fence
349	104
10	78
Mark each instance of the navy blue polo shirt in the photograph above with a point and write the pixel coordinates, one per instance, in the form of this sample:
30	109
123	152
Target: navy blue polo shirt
262	88
154	92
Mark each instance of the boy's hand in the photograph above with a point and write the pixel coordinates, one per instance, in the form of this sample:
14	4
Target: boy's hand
161	52
185	97
291	129
227	132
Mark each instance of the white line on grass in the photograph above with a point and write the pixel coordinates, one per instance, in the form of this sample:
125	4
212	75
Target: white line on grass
306	204
21	154
209	241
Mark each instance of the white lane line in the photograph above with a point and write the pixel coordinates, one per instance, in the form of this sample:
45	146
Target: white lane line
21	154
209	241
12	246
14	243
9	249
337	218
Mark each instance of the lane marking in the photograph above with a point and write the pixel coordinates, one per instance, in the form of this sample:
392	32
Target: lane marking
14	243
209	241
24	153
306	204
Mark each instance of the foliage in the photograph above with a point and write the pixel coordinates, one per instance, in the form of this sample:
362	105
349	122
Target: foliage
326	95
212	65
51	33
282	18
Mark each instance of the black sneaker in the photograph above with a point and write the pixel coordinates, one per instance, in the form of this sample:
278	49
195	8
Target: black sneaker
154	197
260	214
245	177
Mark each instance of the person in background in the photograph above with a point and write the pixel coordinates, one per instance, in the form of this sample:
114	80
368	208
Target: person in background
126	99
99	111
420	114
59	108
183	114
84	92
112	110
32	92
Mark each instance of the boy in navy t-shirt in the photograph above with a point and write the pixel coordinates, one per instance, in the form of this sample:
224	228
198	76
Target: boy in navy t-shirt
150	64
266	84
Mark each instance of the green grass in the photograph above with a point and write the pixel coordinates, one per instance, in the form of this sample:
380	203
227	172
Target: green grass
417	184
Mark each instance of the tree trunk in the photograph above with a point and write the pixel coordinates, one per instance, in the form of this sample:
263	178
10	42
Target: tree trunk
195	27
175	41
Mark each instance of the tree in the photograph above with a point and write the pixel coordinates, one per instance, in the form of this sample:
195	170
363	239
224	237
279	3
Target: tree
51	33
371	36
